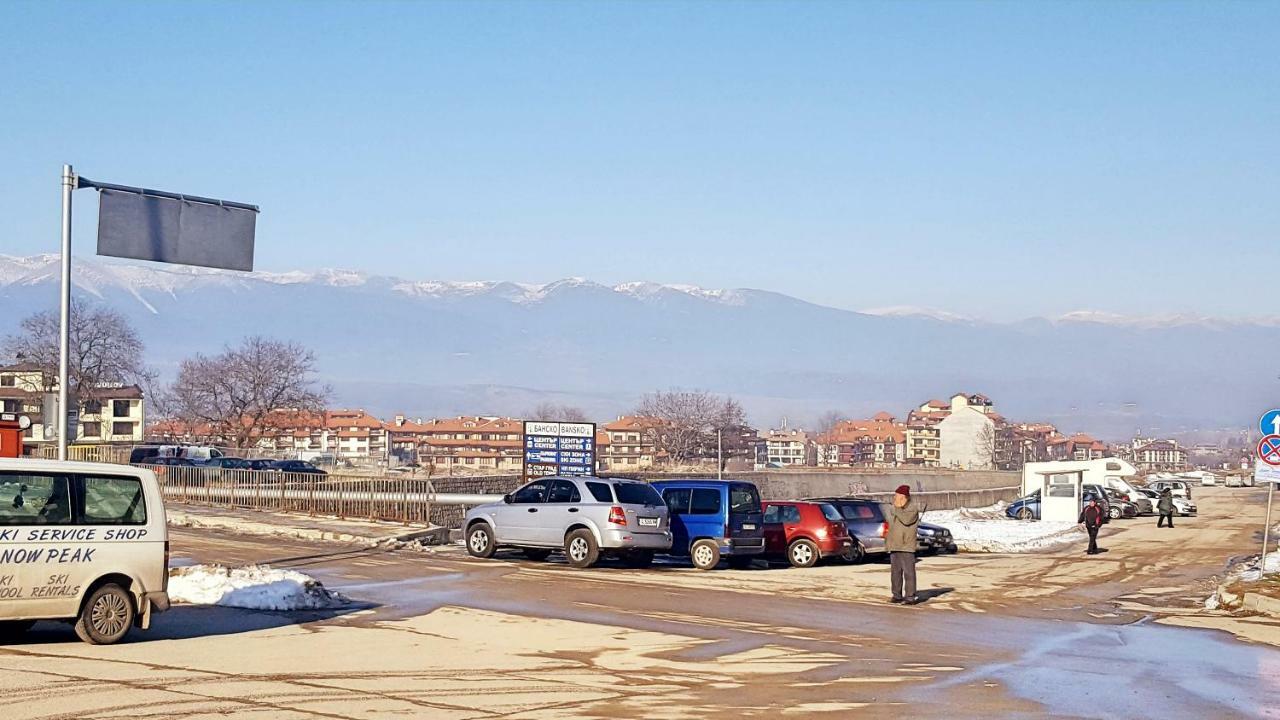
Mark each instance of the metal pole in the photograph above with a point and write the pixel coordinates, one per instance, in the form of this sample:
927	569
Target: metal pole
64	341
1266	529
719	454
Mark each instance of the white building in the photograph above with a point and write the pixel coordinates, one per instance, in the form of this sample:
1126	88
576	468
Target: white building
787	448
968	434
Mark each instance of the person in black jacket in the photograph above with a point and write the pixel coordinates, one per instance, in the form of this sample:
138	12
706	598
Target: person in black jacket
1165	506
1092	517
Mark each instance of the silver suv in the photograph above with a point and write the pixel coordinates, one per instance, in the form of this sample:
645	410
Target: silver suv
583	516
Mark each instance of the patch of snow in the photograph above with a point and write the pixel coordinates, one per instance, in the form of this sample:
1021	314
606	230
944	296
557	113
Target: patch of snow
255	587
987	529
913	311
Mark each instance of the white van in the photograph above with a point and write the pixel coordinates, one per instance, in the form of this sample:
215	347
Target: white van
81	542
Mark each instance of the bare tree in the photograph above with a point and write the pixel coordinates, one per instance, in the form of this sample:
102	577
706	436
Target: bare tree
827	421
685	422
104	349
247	391
985	446
552	412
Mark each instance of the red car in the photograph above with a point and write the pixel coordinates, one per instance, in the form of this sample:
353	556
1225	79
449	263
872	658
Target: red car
804	532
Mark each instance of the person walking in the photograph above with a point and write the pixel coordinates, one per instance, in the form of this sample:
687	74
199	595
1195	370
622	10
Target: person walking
1165	506
1091	517
904	518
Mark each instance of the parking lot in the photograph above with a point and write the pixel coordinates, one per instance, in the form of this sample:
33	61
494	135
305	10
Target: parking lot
437	634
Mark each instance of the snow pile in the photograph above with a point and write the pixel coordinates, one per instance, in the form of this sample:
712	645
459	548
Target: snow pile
1253	572
988	529
255	587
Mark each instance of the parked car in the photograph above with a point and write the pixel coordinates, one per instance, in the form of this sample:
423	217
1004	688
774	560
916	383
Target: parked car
586	517
260	463
711	519
804	532
226	463
1027	507
1181	505
934	539
296	466
865	521
1179	488
1118	507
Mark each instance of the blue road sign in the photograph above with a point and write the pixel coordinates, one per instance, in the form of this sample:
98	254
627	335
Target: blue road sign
1270	423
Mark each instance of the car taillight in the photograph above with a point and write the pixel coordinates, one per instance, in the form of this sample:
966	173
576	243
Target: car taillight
884	529
617	516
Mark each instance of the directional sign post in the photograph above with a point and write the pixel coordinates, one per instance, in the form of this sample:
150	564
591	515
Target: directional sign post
556	448
1269	423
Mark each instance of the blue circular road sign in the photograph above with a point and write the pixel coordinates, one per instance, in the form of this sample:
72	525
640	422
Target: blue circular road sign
1270	423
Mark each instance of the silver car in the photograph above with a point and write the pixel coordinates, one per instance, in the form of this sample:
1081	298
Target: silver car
583	516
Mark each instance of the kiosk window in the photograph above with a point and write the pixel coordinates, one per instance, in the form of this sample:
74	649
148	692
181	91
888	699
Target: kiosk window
27	499
114	501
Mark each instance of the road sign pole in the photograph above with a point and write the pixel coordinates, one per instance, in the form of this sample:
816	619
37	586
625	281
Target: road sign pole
1266	529
64	340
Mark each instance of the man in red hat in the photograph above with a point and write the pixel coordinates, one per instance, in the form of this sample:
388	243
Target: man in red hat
900	541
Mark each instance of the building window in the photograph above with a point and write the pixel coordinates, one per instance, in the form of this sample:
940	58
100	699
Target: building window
122	428
92	407
90	429
120	408
6	381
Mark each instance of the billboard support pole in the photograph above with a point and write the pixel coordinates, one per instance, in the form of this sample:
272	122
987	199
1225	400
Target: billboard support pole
64	340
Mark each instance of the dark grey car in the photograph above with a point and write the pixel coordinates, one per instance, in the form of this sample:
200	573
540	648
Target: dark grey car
583	516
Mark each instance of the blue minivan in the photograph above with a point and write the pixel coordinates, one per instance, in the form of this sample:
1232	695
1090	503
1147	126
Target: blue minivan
711	519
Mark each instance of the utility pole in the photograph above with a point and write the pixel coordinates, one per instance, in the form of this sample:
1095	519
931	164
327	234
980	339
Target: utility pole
719	454
64	334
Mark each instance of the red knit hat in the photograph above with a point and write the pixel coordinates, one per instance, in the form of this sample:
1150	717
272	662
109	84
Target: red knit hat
904	490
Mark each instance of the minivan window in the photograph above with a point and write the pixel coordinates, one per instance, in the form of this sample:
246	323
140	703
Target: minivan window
858	512
744	498
830	513
27	499
677	500
114	501
705	502
534	492
600	491
637	493
563	491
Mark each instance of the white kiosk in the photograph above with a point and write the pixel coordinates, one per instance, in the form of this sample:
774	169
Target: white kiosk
1060	494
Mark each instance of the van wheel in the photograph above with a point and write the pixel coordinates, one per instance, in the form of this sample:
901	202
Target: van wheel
638	559
106	617
803	554
580	548
741	562
705	554
14	629
480	541
537	554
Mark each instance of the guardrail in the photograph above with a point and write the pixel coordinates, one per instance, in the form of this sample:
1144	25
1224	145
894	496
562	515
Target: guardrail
403	499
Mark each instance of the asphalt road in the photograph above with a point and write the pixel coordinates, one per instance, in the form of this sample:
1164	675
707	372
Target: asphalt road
442	635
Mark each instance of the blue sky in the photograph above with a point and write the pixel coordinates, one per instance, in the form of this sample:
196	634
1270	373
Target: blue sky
996	159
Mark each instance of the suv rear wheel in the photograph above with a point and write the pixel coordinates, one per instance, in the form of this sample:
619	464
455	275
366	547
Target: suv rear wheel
705	554
580	548
803	553
480	541
106	616
855	554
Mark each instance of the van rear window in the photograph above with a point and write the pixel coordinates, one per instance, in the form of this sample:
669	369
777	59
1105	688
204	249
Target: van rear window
636	493
744	498
860	512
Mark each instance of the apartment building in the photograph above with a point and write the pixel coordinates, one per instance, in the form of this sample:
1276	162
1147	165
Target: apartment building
629	445
467	443
116	412
789	448
877	442
1079	446
1159	455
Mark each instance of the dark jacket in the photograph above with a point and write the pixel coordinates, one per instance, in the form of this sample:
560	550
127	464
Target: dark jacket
1091	516
903	522
1165	504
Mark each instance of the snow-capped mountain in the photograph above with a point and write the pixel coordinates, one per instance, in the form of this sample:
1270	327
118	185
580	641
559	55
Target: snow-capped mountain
441	347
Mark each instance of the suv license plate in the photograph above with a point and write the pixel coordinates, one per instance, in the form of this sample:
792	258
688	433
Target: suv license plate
748	526
648	522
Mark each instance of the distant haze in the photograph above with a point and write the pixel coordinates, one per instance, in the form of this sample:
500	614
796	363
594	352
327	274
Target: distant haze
433	348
